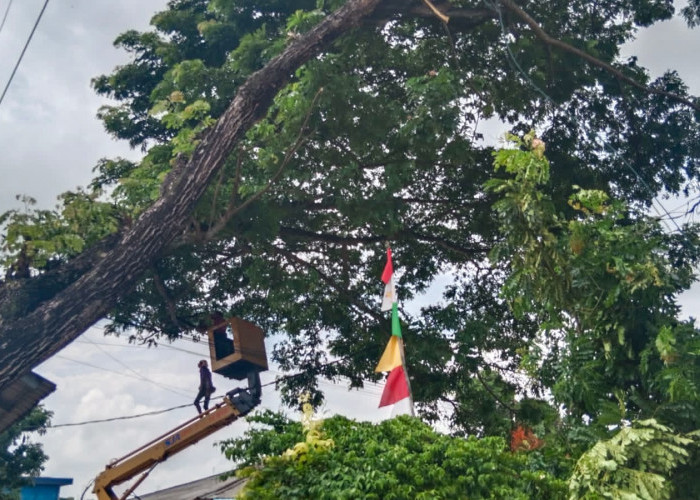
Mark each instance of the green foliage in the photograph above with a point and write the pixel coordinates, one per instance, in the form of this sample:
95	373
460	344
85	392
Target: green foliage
691	13
603	283
35	238
397	459
20	458
636	464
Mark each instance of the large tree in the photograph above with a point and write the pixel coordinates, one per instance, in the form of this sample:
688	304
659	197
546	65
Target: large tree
40	317
275	200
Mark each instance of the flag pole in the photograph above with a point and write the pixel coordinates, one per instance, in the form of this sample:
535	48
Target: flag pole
405	373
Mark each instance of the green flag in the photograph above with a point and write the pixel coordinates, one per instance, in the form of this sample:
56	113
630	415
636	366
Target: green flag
395	324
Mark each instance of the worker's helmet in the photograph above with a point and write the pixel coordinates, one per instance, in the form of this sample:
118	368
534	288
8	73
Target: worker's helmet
202	363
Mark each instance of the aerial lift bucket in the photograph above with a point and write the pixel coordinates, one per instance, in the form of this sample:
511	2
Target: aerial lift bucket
236	348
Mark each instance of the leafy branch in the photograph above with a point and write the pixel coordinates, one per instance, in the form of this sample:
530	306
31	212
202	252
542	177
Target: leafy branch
233	210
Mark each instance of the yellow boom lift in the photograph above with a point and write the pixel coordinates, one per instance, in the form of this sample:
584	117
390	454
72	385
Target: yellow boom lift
237	350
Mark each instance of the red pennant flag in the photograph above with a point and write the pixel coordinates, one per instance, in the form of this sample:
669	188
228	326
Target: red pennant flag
388	268
396	387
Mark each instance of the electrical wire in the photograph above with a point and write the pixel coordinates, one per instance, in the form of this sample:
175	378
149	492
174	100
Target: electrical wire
101	368
366	389
166	410
138	346
4	17
86	488
139	375
125	417
29	39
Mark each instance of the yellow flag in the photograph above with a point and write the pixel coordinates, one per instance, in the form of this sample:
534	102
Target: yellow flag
391	357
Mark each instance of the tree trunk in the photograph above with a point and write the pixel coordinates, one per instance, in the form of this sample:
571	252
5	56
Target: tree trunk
49	325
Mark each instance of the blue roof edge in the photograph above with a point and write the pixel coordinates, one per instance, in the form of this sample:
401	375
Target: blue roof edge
55	481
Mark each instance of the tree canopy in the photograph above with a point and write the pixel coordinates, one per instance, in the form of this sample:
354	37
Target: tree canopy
300	154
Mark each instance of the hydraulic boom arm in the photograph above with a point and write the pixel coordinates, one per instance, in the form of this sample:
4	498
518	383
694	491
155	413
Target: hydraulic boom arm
141	461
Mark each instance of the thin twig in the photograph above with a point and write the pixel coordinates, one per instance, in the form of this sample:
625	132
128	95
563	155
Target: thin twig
493	394
324	277
169	303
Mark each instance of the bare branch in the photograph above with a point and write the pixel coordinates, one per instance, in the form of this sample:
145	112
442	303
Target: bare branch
493	393
169	303
477	250
328	237
340	289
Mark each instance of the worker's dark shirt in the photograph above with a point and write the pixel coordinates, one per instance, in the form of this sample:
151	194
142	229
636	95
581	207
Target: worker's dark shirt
205	379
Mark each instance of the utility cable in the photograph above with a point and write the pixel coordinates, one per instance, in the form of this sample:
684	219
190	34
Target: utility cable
140	378
86	488
366	389
200	354
4	17
138	346
139	375
126	417
166	410
29	39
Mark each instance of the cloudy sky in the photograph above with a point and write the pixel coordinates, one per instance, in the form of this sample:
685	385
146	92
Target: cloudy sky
49	142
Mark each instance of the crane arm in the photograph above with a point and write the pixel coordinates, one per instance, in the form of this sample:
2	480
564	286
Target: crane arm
237	403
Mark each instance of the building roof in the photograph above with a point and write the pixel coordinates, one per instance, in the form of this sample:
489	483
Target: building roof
21	395
208	488
52	481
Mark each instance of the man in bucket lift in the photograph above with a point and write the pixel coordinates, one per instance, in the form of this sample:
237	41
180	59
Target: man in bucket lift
206	387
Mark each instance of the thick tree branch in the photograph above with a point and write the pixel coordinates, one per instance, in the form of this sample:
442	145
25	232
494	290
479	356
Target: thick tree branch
436	11
217	190
459	17
19	297
551	41
35	337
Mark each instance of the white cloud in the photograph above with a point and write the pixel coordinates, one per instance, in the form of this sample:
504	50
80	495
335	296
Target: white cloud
49	135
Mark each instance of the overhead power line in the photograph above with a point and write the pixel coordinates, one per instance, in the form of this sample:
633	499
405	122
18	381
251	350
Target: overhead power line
139	377
29	39
143	377
126	417
365	389
166	410
4	17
